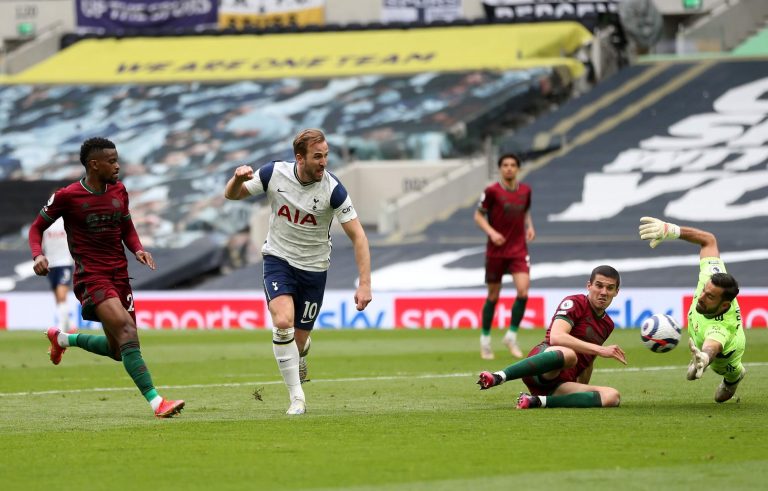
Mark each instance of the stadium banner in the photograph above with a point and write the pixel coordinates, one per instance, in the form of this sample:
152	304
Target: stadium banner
425	11
442	309
313	55
115	16
583	11
268	13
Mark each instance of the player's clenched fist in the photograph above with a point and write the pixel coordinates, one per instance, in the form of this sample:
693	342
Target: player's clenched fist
244	173
41	265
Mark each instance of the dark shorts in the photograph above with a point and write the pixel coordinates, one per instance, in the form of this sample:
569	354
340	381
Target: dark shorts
60	275
306	287
496	267
94	291
539	386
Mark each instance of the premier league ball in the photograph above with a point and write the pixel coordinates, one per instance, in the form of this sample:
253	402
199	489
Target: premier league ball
660	333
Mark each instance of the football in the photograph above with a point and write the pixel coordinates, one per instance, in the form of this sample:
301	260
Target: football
660	333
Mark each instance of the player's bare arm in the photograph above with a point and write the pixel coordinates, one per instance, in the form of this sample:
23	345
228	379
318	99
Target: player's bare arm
235	189
560	335
355	232
482	221
530	231
656	231
704	239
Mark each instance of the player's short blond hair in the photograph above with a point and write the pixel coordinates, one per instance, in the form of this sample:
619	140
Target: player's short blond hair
305	138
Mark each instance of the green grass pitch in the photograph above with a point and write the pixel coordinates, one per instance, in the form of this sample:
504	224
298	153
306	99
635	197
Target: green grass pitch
387	410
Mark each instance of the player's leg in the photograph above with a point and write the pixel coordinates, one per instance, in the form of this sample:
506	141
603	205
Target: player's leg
489	308
280	285
730	367
87	294
307	304
542	366
60	278
286	350
118	319
522	279
572	394
62	309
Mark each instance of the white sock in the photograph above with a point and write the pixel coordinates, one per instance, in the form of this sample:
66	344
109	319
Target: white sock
287	356
63	339
511	336
63	314
155	402
543	400
502	375
485	340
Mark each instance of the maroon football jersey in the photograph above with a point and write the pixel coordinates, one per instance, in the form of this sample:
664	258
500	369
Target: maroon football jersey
586	326
92	221
505	210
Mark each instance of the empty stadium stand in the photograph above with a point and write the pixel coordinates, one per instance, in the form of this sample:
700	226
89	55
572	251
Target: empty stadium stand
179	141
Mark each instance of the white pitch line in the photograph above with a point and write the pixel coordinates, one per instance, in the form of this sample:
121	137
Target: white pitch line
332	380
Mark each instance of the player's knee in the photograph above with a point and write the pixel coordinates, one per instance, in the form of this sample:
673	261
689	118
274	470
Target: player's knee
610	397
282	321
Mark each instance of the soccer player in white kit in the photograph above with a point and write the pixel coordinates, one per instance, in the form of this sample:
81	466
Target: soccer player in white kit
304	199
55	248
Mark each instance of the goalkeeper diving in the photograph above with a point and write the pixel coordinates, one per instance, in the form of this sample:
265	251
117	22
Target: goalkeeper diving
716	335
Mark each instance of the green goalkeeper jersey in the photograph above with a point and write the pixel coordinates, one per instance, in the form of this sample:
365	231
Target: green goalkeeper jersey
726	328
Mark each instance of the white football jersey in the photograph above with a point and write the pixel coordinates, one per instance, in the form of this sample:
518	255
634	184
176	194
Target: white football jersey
55	247
300	222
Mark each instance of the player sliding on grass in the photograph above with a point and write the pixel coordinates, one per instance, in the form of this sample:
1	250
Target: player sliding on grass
304	199
716	336
558	370
98	222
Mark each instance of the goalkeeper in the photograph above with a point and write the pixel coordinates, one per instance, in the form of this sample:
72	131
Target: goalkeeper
716	336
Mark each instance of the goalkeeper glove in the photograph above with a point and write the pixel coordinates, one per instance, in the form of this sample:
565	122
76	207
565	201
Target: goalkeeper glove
657	231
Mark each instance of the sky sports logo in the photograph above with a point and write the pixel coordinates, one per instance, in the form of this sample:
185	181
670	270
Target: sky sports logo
214	313
461	312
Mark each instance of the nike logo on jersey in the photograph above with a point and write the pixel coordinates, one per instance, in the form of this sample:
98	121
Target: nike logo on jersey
280	190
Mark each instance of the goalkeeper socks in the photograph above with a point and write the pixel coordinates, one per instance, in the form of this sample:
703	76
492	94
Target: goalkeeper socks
287	357
578	399
535	365
89	342
518	311
488	310
137	369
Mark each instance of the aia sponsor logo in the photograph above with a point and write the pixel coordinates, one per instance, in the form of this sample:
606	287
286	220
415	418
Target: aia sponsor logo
201	313
3	315
462	312
754	310
297	216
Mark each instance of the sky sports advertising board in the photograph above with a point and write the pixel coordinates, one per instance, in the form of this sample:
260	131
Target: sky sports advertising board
407	310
